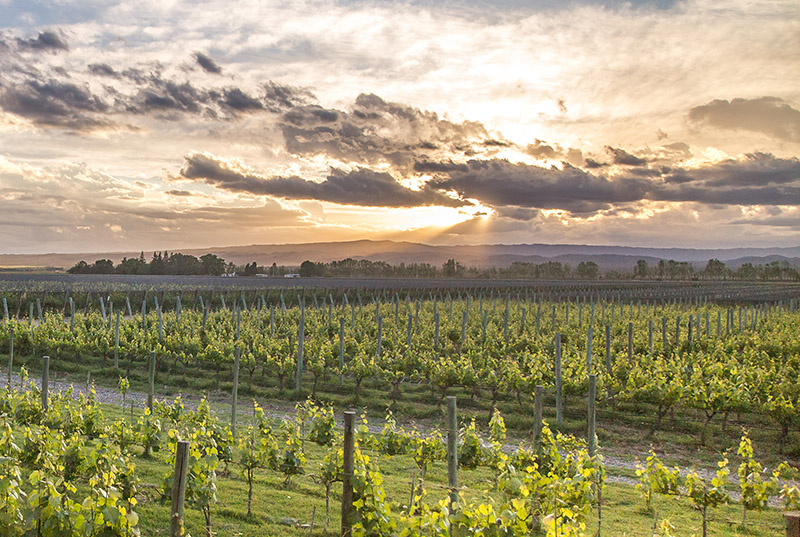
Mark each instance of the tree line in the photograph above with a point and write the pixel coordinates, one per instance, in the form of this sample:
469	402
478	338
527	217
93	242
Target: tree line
165	263
212	265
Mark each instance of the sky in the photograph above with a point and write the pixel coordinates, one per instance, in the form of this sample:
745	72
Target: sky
143	125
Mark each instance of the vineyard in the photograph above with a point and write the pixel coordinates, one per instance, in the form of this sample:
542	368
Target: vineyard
682	369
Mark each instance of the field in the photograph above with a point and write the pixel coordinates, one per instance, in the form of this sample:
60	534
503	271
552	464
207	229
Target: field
680	369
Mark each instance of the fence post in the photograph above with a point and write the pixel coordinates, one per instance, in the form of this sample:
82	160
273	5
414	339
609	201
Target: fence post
151	380
559	413
608	359
538	404
630	342
160	324
301	335
589	341
341	350
347	473
179	489
452	450
235	402
436	331
408	330
380	337
10	355
590	406
45	380
792	519
116	343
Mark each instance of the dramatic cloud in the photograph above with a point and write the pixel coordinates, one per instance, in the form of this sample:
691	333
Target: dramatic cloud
237	100
621	156
551	151
359	187
62	103
554	122
517	213
55	104
769	115
45	41
169	96
376	131
208	65
500	182
754	170
758	179
282	98
103	69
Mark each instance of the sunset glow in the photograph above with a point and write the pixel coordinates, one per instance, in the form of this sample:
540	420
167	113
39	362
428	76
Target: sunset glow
171	125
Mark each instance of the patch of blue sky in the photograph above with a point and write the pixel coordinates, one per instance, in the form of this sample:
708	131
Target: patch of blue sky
28	14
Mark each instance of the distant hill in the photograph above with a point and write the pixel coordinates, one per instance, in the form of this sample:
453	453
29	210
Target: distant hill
395	252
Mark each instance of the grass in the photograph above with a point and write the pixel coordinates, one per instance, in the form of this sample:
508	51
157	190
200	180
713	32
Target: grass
280	509
287	510
622	428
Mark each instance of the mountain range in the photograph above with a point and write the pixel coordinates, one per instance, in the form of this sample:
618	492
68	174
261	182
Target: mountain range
395	252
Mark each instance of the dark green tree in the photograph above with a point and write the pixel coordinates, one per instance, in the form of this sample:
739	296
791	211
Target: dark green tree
212	265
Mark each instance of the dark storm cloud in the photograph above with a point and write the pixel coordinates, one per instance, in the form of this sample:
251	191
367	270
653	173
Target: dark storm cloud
621	156
376	131
758	179
768	115
517	213
208	65
103	69
438	167
372	131
550	151
60	102
769	195
167	95
502	183
55	104
648	172
359	187
593	164
775	221
237	100
279	98
755	170
46	41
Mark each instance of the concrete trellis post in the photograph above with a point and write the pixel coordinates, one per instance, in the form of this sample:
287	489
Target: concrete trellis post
452	450
559	412
235	394
179	489
45	381
347	474
538	406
